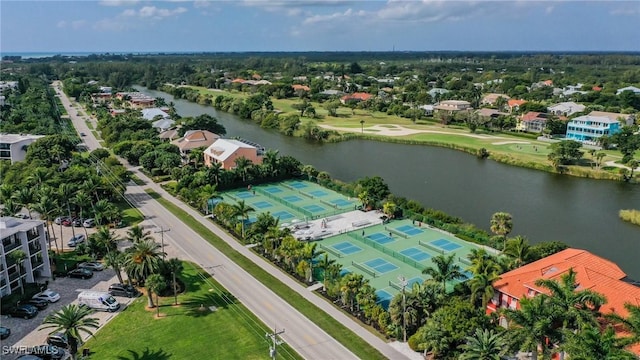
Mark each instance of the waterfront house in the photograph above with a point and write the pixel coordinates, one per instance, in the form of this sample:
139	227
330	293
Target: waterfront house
29	236
492	98
151	113
13	147
453	106
355	97
532	122
298	87
587	128
194	139
592	272
627	119
226	151
565	108
633	89
514	104
163	124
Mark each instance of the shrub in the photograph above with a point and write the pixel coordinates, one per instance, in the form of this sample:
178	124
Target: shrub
630	215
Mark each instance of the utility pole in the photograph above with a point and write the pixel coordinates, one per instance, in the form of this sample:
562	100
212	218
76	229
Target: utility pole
276	342
161	232
404	283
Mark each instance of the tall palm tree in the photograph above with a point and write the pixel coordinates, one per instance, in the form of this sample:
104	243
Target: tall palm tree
136	234
445	270
6	192
105	239
11	207
18	256
196	156
484	345
47	207
72	320
175	266
25	197
533	325
501	225
143	259
578	308
482	288
309	253
270	162
65	193
631	323
324	263
82	200
207	193
92	185
115	260
38	177
242	210
590	343
155	283
213	173
518	250
242	165
349	288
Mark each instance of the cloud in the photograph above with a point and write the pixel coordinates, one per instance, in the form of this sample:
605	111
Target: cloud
337	16
118	2
62	24
153	12
626	10
75	25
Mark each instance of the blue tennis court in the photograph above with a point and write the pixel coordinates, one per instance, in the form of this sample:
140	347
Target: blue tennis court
244	195
297	185
318	193
272	189
380	238
314	208
384	298
445	244
380	265
340	202
410	230
262	204
347	248
415	254
283	215
292	198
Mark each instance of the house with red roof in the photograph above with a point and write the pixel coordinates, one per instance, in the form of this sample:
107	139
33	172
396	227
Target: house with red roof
514	104
532	121
355	97
298	87
592	272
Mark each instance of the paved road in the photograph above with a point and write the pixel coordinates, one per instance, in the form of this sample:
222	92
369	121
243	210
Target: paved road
301	334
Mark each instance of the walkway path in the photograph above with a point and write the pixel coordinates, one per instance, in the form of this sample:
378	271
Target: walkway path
398	130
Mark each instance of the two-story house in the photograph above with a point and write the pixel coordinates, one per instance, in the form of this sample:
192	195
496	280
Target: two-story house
14	146
587	128
227	151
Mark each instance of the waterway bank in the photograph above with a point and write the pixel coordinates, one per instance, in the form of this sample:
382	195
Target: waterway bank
580	212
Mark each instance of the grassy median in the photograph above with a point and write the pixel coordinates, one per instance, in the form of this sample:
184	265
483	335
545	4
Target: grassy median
327	323
188	331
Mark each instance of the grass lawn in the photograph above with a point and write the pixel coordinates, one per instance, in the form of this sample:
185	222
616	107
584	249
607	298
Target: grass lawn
186	331
333	327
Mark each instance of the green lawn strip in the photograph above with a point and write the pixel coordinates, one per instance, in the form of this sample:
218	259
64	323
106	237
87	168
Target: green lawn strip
131	216
89	124
185	331
327	323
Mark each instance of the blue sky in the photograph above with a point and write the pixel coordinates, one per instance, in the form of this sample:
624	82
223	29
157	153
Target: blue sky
318	25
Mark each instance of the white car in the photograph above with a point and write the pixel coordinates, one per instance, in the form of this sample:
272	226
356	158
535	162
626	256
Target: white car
76	240
93	266
49	295
89	223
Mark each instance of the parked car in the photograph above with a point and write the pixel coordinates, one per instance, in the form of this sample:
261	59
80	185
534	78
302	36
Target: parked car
77	222
60	219
67	221
4	332
83	134
76	240
80	274
48	352
39	303
89	223
58	339
93	266
123	290
49	295
24	311
22	216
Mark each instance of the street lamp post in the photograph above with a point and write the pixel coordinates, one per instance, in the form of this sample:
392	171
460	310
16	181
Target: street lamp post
403	282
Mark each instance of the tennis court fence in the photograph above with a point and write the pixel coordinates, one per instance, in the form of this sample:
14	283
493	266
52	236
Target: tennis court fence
304	212
431	247
307	195
363	268
464	261
399	233
385	250
331	251
394	285
288	186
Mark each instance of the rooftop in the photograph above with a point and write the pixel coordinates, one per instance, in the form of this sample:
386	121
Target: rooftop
16	138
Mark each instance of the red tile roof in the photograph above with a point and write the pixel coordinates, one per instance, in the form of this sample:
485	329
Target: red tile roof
357	96
596	88
532	115
297	87
514	102
238	80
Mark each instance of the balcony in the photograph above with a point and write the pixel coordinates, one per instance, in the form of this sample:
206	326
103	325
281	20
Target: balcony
8	246
33	234
34	248
35	263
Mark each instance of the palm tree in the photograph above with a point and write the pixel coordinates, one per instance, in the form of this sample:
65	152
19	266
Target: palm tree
590	343
65	193
91	185
270	162
242	165
106	240
71	320
501	225
242	210
309	253
18	256
349	288
25	197
481	286
115	260
143	259
310	171
154	284
136	234
631	323
47	207
207	193
11	207
518	250
175	266
196	156
213	173
445	270
577	308
82	200
38	177
533	325
6	192
484	345
324	263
